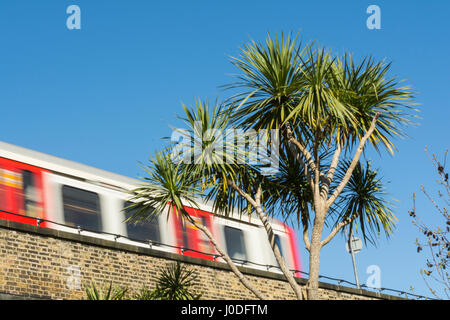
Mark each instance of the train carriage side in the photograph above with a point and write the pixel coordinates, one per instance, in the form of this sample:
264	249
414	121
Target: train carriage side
101	212
21	192
92	201
244	240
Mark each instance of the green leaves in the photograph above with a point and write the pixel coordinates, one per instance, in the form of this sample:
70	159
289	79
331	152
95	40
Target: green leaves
289	191
363	200
271	78
176	283
323	96
168	186
327	100
319	105
109	293
367	89
207	148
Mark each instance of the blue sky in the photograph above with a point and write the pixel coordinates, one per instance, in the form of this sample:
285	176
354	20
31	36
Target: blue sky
105	94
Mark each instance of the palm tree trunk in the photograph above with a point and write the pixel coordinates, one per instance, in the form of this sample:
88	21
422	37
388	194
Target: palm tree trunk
284	268
314	256
256	203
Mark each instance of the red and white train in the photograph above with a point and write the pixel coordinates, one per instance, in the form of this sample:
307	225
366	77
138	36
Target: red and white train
84	199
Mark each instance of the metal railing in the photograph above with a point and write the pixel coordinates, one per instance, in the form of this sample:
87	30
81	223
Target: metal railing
243	262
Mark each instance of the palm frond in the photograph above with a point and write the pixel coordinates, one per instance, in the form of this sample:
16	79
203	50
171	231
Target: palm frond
364	201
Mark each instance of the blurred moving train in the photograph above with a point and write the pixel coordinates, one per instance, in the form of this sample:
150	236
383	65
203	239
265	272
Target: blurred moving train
90	201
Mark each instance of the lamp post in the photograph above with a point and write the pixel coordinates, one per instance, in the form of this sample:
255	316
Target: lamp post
354	245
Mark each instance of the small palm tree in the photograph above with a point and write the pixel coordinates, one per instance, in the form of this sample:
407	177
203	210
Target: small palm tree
175	283
109	293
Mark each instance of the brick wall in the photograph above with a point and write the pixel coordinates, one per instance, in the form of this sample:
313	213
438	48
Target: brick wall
43	263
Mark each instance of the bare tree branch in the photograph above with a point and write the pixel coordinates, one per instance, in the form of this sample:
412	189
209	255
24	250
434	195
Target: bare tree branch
331	170
306	238
335	230
354	162
301	148
256	203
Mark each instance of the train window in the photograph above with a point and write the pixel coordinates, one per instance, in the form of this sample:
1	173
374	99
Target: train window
184	232
278	243
234	239
30	194
142	230
82	208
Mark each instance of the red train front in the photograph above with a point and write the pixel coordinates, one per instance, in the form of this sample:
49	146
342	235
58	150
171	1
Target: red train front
21	191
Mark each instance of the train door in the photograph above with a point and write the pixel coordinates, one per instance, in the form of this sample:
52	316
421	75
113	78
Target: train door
21	192
189	237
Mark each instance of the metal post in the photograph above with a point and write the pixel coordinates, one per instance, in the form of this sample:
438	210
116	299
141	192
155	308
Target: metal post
353	258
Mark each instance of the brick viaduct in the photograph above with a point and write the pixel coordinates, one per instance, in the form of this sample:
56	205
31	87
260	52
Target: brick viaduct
39	263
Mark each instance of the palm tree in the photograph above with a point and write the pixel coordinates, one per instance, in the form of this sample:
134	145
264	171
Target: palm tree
321	104
197	166
231	176
109	293
175	283
363	202
172	186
